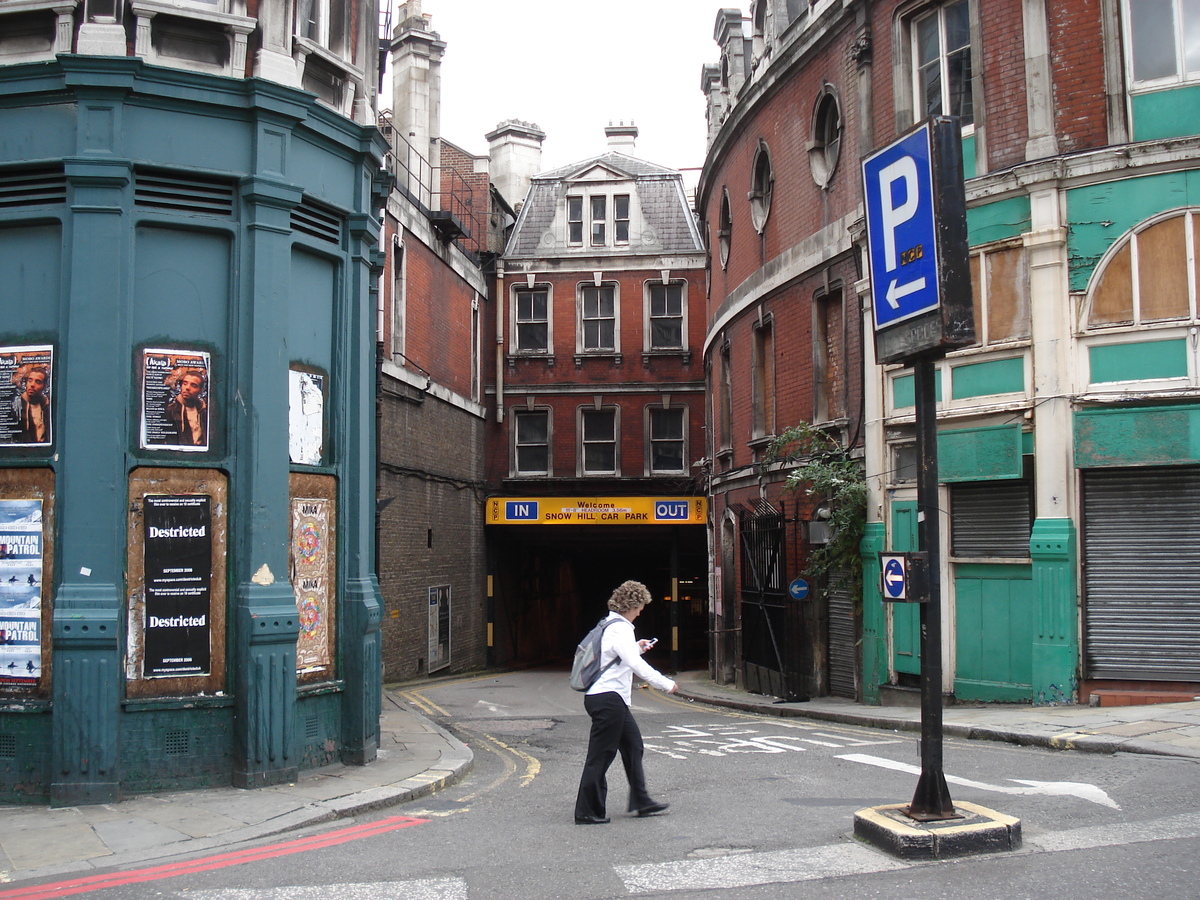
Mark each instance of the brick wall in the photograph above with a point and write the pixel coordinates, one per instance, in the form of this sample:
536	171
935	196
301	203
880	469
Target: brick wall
431	531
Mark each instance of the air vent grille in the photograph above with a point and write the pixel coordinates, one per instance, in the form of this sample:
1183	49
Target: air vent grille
32	187
190	195
316	222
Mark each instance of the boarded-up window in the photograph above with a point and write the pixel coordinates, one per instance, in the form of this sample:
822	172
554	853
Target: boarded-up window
1146	279
1000	291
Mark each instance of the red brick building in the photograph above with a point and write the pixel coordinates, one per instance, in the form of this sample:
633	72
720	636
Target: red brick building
596	392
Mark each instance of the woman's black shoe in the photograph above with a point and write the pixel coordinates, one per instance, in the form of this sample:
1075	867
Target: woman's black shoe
652	810
591	820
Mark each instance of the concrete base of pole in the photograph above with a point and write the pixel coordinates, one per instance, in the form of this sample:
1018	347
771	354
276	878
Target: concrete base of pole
980	830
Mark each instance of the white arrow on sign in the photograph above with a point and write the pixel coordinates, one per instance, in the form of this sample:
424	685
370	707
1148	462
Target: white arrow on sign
1052	788
895	292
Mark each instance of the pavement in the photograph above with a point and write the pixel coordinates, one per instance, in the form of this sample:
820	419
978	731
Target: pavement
418	757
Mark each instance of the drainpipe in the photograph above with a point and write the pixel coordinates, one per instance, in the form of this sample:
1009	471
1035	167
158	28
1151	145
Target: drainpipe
501	314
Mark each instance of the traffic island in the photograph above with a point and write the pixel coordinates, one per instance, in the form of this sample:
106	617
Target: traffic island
979	830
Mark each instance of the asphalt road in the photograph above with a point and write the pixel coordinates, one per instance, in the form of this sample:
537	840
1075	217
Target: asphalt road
761	807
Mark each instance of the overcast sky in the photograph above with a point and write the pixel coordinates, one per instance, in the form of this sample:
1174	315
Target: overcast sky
571	68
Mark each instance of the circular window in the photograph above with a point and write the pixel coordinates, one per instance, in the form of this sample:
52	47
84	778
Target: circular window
826	139
763	180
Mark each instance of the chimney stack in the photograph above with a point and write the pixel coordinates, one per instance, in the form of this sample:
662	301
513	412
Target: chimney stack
514	157
622	137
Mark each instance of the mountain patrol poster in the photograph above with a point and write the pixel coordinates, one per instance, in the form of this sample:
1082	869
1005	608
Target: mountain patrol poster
20	593
311	582
175	400
178	573
25	385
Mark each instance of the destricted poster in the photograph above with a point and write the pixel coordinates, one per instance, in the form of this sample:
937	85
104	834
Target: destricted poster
178	573
311	582
20	593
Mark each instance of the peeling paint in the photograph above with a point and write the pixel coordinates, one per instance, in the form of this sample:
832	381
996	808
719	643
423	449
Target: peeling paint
263	576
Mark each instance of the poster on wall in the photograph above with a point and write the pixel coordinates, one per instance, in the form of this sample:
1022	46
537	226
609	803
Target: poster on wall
25	387
176	386
306	417
20	593
310	580
439	627
178	567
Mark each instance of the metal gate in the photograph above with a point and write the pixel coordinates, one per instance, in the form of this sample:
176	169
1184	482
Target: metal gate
1141	556
768	616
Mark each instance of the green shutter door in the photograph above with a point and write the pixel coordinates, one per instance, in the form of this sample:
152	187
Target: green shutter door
906	617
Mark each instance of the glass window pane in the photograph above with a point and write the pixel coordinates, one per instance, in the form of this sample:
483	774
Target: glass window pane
622	231
666	333
533	459
666	424
605	301
531	336
1153	25
599	458
598	206
667	457
929	44
958	26
1191	35
598	425
575	209
621	206
532	428
930	98
959	68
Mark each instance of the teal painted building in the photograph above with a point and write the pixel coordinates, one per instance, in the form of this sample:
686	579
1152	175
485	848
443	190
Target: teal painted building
1068	449
189	202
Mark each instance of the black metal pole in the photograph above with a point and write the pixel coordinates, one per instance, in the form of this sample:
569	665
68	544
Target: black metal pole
932	798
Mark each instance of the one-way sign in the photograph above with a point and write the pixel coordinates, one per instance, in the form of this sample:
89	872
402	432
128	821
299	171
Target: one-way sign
917	235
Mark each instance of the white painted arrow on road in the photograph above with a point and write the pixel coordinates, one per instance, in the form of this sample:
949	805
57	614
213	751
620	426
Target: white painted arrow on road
1087	792
895	292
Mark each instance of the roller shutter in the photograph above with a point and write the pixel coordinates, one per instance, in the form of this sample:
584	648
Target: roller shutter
1141	575
842	637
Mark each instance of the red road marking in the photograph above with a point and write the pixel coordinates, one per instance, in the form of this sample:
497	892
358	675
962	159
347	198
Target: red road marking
208	863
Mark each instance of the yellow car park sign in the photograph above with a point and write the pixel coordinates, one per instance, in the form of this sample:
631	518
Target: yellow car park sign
597	511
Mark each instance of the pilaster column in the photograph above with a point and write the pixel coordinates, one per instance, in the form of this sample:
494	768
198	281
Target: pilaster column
266	617
1053	543
90	484
874	619
362	606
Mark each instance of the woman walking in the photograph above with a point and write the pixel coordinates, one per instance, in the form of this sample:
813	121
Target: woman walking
608	702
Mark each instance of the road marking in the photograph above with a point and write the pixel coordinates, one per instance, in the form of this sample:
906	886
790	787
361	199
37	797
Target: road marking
749	869
416	889
842	860
208	863
1083	791
719	739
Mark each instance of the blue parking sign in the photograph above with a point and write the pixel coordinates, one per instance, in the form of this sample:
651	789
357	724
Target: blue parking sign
902	228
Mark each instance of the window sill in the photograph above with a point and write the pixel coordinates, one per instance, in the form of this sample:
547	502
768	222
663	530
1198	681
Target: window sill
615	358
531	356
684	355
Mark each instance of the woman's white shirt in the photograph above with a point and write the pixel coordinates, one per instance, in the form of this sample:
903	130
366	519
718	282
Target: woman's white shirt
619	643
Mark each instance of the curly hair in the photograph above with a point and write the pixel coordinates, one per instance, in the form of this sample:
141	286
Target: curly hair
630	595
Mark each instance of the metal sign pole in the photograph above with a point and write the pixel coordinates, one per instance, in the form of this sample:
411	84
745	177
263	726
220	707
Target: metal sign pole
932	798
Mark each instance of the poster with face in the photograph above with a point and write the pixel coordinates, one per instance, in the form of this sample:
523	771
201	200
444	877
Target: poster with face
20	593
25	386
311	573
306	417
176	386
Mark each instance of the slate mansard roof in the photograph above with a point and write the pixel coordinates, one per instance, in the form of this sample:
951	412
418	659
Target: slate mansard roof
666	224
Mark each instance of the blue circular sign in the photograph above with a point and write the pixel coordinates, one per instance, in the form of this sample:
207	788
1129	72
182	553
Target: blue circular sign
893	578
798	589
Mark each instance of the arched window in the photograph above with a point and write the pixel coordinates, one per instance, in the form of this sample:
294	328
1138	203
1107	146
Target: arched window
1144	277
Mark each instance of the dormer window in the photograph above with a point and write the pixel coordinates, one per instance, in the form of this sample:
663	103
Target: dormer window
574	220
621	218
599	220
607	216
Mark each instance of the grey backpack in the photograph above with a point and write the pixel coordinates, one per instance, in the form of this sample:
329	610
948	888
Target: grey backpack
586	667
